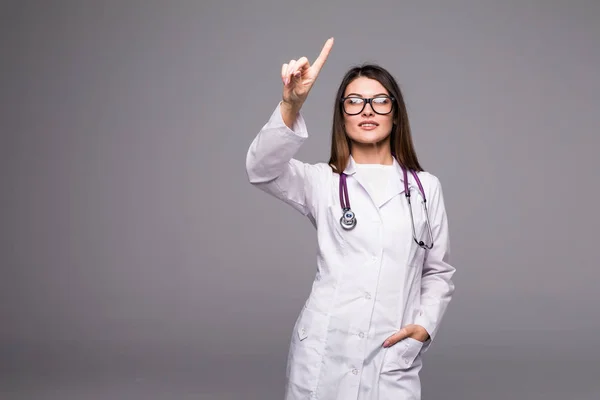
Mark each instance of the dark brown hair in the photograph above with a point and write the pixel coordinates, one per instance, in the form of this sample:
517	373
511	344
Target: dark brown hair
400	141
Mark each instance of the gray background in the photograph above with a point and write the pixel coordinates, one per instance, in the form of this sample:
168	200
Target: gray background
138	263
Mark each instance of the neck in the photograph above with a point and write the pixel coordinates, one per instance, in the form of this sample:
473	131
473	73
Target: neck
372	153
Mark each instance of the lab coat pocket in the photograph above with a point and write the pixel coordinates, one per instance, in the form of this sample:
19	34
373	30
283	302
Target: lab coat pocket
307	348
302	332
402	355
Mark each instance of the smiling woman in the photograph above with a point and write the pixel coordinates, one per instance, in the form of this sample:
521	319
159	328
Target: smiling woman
383	284
370	127
370	95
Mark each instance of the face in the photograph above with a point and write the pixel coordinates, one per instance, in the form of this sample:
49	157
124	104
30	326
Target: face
367	127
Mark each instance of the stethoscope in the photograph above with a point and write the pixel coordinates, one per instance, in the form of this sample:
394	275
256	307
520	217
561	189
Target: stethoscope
348	219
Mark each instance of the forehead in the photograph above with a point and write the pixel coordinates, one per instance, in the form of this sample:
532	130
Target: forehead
365	87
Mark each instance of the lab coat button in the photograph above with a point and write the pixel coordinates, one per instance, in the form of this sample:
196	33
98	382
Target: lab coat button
361	335
368	296
355	371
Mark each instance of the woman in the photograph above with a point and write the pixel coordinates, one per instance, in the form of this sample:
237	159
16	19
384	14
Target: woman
381	287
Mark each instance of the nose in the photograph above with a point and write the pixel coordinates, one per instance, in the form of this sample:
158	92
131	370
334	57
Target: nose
368	110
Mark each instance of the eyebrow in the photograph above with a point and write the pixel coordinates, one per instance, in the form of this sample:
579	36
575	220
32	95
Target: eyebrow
375	95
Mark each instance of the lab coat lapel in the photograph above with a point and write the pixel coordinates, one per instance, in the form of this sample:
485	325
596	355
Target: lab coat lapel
395	184
351	171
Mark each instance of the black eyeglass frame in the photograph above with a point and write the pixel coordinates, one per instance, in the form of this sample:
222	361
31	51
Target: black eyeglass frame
366	101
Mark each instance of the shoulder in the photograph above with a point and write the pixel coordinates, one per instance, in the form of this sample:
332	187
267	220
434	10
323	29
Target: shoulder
428	178
317	175
317	169
431	183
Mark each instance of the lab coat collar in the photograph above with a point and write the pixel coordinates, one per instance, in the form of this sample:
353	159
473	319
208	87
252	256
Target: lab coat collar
350	166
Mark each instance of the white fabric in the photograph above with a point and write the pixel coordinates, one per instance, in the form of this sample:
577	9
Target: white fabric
375	178
370	281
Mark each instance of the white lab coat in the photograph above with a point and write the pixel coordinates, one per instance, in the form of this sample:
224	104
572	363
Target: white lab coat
369	282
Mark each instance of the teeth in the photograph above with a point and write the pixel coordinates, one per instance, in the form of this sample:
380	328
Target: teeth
368	125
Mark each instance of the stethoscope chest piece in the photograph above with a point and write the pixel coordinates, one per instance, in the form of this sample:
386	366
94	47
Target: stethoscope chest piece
348	219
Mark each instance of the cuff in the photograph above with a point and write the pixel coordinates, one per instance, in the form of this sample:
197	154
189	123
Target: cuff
423	321
298	129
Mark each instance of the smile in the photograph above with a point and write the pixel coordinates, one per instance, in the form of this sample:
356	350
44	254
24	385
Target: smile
368	126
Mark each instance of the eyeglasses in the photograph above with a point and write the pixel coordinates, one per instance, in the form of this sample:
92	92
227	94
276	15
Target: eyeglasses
354	105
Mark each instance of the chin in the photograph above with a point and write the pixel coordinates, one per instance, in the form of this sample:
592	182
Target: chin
368	138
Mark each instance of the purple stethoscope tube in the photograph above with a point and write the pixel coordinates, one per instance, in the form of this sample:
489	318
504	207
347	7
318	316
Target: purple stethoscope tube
348	219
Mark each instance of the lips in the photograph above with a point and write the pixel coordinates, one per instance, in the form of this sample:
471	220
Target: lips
368	124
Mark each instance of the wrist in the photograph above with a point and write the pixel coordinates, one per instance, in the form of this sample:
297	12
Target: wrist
290	108
289	113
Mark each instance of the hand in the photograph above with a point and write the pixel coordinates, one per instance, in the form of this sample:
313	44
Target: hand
299	76
416	332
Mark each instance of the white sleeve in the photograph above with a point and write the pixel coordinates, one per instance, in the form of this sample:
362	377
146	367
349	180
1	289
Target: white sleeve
437	287
271	166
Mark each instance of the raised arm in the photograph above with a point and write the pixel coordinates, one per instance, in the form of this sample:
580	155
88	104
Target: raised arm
270	162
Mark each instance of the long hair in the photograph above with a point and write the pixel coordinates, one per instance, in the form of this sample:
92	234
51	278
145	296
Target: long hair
401	143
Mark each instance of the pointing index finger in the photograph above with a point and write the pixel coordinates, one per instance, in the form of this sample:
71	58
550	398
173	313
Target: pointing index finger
318	64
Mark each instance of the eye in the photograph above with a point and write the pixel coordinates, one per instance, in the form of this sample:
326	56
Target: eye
355	100
381	100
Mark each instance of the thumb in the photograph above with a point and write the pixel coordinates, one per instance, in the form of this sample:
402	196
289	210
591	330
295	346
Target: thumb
396	337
